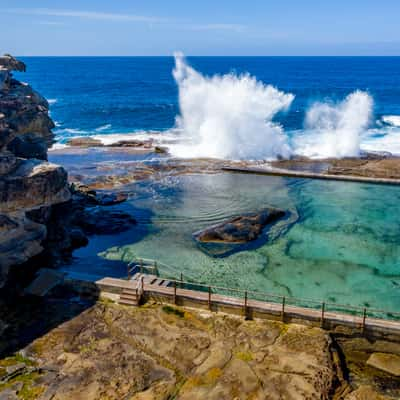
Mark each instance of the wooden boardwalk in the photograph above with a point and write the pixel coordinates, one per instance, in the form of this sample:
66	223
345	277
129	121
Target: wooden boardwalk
311	175
169	291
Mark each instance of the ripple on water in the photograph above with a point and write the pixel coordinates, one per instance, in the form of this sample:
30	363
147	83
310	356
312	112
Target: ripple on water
344	247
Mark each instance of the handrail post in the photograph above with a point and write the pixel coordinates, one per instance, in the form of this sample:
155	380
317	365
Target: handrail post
283	309
128	272
141	266
245	304
363	320
174	292
209	298
322	314
181	280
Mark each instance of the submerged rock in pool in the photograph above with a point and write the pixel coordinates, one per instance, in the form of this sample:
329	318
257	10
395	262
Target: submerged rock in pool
234	234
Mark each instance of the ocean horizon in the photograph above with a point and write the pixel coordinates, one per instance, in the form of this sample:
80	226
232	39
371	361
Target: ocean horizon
129	95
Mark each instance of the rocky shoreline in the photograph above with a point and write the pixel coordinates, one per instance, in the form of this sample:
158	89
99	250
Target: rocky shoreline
67	346
369	165
42	219
104	350
27	181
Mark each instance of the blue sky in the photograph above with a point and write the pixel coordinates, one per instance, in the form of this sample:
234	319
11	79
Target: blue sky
206	27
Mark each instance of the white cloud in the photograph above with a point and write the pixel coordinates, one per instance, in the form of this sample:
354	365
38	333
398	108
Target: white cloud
51	23
84	14
105	16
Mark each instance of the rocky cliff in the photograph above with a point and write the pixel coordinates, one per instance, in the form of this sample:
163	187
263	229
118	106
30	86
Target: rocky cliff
27	181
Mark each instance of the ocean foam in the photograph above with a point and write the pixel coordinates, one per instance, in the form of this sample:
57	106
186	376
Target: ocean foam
393	120
382	141
335	129
232	116
70	131
103	128
228	116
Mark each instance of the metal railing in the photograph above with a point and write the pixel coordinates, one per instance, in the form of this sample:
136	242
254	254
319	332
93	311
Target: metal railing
284	302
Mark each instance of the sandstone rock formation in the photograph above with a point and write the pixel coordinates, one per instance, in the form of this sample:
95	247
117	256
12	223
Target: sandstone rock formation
241	229
27	181
140	145
108	351
232	235
164	354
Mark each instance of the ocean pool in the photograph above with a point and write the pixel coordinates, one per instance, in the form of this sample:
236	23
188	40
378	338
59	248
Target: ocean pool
344	248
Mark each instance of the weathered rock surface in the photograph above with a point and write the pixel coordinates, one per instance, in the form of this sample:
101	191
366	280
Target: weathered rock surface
370	380
160	352
33	184
142	145
244	231
370	165
70	223
157	354
9	62
27	181
241	229
365	393
84	350
386	362
84	142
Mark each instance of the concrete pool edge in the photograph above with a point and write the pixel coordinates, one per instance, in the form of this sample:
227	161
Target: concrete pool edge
311	175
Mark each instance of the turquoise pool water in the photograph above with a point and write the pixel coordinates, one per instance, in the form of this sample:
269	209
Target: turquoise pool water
344	248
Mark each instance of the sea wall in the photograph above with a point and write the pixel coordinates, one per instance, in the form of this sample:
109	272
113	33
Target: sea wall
28	183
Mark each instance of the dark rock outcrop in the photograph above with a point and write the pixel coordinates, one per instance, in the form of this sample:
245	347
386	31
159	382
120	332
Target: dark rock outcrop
241	229
27	181
139	145
244	232
84	142
69	224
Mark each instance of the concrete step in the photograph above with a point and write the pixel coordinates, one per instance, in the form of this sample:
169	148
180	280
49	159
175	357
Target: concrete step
129	291
127	302
129	296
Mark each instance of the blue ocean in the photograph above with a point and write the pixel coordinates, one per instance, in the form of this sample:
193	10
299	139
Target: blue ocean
344	246
103	95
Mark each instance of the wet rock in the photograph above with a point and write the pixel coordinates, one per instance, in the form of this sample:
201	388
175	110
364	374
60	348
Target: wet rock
248	231
84	142
160	150
147	144
29	146
104	222
240	229
85	194
78	238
